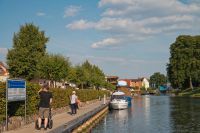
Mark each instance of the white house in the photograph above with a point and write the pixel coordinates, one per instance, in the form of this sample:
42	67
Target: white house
145	83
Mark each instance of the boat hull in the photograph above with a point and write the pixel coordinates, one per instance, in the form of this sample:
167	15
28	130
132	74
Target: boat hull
119	105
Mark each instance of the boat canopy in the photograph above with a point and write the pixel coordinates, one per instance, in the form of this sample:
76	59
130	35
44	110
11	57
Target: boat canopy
121	83
118	93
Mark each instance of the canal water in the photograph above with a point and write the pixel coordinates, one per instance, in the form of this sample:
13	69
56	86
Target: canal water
154	114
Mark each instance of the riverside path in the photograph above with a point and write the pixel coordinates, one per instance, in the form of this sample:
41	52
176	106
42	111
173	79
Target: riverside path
60	119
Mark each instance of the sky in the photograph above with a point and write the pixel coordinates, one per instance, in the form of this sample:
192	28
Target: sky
126	38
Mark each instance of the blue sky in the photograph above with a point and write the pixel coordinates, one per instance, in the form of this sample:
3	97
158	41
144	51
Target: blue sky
127	38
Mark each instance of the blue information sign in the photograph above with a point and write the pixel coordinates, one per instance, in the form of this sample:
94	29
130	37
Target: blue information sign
16	90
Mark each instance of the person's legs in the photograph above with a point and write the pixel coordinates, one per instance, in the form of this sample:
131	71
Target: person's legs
39	122
45	122
40	117
46	115
71	105
73	108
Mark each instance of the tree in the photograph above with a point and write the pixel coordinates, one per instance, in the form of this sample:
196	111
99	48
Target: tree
29	45
184	63
157	79
98	77
81	76
72	75
53	67
87	71
89	75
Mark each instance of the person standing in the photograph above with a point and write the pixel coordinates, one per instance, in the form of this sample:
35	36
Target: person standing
44	105
73	100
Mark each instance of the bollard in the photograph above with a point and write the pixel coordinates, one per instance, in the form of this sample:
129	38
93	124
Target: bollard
104	99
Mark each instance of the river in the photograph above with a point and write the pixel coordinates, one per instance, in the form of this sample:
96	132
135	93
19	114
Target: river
154	114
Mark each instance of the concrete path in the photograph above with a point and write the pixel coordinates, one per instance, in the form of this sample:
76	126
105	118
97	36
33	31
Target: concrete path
59	119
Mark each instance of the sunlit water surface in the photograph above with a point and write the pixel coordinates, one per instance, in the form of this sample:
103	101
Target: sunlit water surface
154	114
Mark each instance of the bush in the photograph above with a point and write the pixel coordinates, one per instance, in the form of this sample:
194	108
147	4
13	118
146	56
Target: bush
61	97
151	90
17	108
2	100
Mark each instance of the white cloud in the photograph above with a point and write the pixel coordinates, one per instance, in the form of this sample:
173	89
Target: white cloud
105	42
71	11
40	14
3	51
149	7
147	26
130	20
80	25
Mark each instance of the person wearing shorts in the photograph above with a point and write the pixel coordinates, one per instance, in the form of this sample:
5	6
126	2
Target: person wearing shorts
44	105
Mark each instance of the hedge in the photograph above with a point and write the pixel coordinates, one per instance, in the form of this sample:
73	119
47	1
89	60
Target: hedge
2	101
17	108
60	99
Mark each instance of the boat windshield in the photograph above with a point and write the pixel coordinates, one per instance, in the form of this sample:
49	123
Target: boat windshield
118	97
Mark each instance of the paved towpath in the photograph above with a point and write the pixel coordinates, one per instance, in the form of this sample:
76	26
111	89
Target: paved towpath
59	119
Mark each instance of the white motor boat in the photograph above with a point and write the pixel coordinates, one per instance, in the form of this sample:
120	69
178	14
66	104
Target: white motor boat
118	101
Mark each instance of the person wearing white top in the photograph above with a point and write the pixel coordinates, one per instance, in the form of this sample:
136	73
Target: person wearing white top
73	100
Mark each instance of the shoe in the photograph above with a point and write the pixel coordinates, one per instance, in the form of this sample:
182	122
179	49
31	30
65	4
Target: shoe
45	128
39	128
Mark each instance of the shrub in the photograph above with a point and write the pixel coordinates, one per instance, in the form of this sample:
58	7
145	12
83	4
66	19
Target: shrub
17	108
61	97
2	100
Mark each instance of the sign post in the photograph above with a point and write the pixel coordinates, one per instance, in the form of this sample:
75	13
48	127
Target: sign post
15	91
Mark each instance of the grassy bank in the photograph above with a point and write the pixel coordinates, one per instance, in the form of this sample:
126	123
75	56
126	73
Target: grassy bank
190	92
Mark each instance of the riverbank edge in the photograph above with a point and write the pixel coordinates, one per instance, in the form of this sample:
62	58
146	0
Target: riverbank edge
84	122
195	92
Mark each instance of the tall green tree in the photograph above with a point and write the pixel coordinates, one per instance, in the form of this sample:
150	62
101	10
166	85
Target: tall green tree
184	63
87	69
81	74
88	75
29	45
72	75
53	67
157	79
98	77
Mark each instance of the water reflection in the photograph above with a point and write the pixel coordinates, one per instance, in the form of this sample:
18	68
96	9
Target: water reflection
185	116
147	109
154	114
